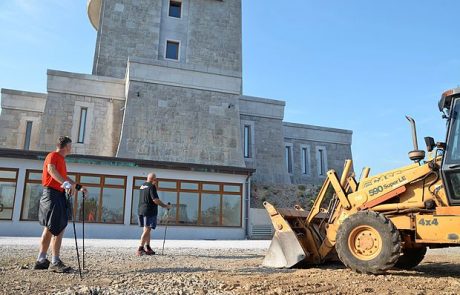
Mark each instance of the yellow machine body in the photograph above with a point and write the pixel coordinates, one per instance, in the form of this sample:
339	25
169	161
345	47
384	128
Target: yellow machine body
401	194
380	221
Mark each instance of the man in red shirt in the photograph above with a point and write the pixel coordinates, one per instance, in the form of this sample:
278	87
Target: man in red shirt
54	212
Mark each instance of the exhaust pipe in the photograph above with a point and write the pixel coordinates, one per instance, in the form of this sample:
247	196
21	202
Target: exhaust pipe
416	155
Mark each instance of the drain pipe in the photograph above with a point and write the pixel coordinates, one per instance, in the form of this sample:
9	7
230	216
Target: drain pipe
247	205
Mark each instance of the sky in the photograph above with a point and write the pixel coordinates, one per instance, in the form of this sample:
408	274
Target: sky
357	64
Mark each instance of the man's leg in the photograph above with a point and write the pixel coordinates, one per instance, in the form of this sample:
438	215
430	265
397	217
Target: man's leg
145	239
145	233
152	225
56	247
56	264
44	243
45	240
42	262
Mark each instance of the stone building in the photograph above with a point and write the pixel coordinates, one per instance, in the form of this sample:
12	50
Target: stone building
166	87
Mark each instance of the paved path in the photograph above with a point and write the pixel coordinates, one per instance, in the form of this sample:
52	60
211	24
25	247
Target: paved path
171	244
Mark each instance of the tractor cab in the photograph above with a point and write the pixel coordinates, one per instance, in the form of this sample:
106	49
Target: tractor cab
449	105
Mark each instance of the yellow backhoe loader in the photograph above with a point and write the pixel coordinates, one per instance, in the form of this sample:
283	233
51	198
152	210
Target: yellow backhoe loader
383	221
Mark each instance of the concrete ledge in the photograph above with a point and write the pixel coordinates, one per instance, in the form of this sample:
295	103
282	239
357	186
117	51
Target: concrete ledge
317	133
307	126
178	76
183	66
86	85
23	100
262	107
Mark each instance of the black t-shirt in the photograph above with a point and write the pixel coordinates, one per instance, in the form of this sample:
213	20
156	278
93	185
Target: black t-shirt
147	207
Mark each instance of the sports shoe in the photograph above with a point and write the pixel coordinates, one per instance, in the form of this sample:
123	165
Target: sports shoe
149	250
42	265
140	251
59	267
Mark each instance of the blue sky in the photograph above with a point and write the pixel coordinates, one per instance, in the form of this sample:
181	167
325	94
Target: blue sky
356	64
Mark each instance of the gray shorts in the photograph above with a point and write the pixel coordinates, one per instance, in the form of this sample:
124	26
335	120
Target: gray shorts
148	221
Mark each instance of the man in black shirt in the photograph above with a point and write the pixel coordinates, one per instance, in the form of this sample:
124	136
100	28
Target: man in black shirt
148	212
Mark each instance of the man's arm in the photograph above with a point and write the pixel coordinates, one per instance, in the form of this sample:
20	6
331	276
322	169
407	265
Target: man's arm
56	175
59	178
156	198
160	203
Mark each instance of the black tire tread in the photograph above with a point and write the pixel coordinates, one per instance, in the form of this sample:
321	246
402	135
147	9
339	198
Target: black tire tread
393	241
411	257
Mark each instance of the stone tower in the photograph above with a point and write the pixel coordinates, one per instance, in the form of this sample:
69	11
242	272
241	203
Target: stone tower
181	61
208	33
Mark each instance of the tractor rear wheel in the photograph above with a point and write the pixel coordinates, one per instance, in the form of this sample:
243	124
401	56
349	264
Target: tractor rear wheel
368	242
410	257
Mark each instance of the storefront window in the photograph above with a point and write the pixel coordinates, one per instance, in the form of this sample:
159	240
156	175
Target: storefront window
163	215
105	202
8	181
188	208
195	202
210	209
231	210
33	190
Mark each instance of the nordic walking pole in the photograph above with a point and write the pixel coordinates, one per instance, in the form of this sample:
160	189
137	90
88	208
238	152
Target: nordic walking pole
83	229
74	230
166	227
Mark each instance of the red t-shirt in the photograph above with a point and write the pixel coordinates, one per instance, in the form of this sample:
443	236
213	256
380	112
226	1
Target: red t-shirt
58	161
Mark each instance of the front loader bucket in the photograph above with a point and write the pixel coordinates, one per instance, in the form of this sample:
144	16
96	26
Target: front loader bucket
284	252
293	242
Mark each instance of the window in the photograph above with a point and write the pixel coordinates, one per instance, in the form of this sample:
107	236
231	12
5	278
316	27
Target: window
321	158
288	156
8	181
195	202
175	8
33	190
247	141
305	158
28	135
172	50
82	125
105	202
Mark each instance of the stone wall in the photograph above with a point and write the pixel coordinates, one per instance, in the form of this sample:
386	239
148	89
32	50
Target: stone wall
215	35
18	107
127	29
178	124
209	33
104	100
335	142
265	116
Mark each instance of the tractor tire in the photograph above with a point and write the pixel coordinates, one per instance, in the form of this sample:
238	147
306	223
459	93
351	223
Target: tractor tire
411	257
368	242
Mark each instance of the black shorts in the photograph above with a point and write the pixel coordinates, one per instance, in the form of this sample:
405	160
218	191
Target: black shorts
53	211
147	221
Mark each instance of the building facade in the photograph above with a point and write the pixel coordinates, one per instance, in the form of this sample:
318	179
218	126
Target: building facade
166	87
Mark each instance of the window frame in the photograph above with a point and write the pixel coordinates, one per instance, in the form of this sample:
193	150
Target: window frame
28	135
305	160
322	163
247	142
26	181
180	9
178	49
15	189
288	157
101	185
82	131
200	191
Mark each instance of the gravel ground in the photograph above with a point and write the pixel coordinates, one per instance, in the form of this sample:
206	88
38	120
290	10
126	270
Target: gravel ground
209	267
